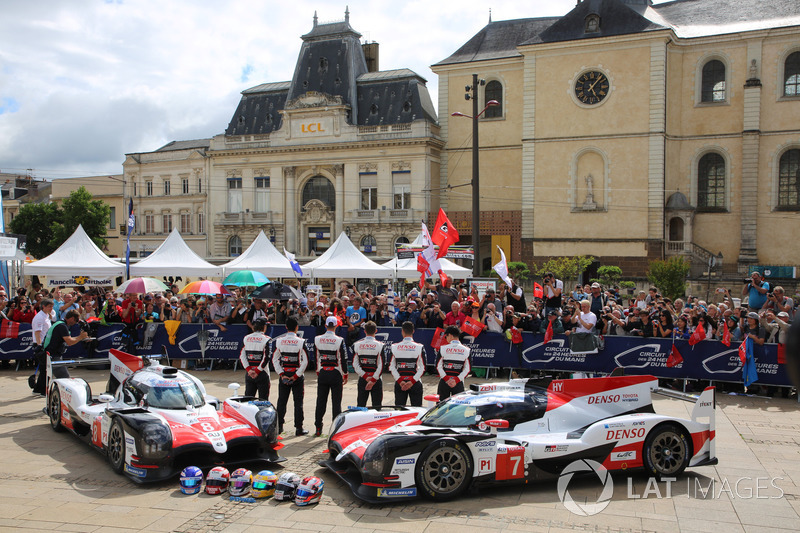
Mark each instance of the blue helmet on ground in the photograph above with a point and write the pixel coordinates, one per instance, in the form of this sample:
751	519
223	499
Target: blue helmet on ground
191	480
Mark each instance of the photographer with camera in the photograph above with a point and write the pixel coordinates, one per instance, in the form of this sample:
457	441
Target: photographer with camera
552	292
778	302
302	315
757	290
55	343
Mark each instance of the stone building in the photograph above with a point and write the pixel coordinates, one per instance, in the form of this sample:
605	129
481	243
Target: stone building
631	131
342	146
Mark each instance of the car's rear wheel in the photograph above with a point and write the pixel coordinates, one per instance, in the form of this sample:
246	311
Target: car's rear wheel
54	408
444	469
666	451
115	450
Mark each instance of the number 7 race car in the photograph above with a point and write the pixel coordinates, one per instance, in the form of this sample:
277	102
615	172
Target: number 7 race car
517	432
160	419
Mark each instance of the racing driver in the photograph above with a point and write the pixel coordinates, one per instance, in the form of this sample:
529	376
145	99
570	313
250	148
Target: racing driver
453	364
331	372
407	366
255	361
290	361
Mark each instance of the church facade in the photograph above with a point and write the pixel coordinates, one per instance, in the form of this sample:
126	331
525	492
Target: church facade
341	147
630	132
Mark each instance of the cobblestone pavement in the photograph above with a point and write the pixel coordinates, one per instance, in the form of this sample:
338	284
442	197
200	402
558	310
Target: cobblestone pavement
54	482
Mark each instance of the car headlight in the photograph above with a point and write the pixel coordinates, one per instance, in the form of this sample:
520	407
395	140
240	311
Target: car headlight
157	439
375	457
267	423
337	423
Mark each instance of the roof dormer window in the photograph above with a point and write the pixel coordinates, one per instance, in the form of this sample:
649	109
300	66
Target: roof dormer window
592	23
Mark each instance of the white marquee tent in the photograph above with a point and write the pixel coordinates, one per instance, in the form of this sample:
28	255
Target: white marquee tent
262	256
174	257
344	260
78	256
407	268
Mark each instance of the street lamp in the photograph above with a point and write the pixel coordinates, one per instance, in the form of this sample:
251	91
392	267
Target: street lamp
476	202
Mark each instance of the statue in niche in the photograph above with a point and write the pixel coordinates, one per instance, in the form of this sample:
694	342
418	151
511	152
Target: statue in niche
589	204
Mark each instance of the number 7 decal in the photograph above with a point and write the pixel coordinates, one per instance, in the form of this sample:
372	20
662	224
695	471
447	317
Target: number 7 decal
510	463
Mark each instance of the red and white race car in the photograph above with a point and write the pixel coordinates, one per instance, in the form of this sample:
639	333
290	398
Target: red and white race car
517	432
160	420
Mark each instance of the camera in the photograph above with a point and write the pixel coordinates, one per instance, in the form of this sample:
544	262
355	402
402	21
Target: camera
84	326
747	281
770	295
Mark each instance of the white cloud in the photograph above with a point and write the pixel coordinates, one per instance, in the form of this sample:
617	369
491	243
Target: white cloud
83	83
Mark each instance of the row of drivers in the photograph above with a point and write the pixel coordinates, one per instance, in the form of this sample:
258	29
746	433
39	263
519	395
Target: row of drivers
290	486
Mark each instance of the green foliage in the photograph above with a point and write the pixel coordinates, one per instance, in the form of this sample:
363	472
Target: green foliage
34	221
669	276
47	226
609	275
79	208
565	268
626	285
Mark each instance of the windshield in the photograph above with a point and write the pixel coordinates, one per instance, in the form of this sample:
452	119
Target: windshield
174	396
468	409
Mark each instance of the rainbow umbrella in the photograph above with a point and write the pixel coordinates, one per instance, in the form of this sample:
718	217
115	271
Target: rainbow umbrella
204	287
246	278
142	286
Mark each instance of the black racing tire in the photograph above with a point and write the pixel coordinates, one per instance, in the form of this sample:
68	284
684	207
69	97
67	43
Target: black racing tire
54	409
666	451
115	448
444	469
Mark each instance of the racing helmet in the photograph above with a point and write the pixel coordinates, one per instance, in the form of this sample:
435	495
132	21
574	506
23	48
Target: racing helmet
287	484
191	480
240	482
217	480
309	491
263	485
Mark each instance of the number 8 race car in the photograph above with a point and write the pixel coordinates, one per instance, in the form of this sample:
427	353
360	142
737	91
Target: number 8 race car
516	432
160	419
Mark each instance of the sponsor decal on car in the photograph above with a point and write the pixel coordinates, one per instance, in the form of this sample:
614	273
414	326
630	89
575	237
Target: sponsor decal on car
635	433
237	426
614	425
485	443
630	397
397	493
603	398
404	461
630	455
639	423
132	470
556	448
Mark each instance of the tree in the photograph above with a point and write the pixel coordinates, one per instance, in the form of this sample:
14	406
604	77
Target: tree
669	276
609	275
34	221
568	268
79	208
47	226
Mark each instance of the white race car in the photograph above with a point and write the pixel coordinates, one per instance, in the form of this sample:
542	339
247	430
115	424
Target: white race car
160	420
517	432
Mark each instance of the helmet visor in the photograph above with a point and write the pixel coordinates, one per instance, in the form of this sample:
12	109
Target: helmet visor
305	493
240	484
222	483
190	482
260	485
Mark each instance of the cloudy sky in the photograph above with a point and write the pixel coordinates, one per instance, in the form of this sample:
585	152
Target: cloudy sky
82	82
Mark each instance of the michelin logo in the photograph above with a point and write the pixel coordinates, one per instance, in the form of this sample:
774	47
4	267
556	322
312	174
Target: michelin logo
396	493
138	472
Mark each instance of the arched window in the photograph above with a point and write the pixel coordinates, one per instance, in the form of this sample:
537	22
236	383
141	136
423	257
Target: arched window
789	181
320	188
676	229
402	240
713	89
234	246
369	245
494	91
791	75
711	183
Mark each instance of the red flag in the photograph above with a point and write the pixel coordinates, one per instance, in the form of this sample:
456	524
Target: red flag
422	268
516	335
538	291
548	335
674	358
781	353
439	339
9	329
472	327
743	352
443	278
698	335
444	233
726	335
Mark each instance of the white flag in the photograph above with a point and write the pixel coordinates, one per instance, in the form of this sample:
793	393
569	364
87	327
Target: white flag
502	268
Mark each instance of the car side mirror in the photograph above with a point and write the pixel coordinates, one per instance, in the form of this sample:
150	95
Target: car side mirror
432	399
497	423
105	398
234	387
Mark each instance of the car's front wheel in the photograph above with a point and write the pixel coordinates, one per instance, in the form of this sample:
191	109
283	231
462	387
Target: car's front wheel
666	451
116	446
444	469
54	408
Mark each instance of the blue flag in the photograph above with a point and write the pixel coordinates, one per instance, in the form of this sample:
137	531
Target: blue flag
293	262
131	224
749	374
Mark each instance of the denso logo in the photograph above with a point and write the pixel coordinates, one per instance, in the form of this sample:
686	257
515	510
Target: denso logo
326	340
368	345
625	434
485	443
611	398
